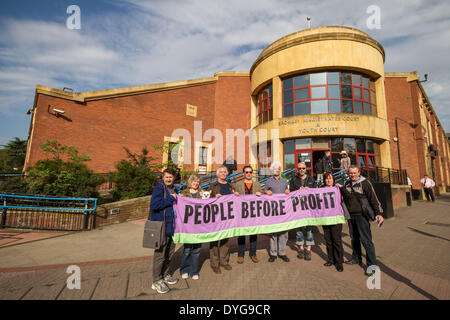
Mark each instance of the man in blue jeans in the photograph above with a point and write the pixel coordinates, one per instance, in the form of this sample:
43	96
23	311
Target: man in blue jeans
301	180
359	225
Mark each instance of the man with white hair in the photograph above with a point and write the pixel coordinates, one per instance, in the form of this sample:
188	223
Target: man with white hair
276	184
219	251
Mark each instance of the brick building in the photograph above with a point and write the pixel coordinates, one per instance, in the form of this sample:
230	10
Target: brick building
318	89
419	143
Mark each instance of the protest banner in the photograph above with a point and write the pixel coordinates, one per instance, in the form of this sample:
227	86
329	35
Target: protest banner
205	220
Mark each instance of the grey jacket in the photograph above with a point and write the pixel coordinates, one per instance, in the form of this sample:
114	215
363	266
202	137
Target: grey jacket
364	188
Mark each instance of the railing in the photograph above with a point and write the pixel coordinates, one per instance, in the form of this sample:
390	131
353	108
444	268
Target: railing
47	213
387	175
379	174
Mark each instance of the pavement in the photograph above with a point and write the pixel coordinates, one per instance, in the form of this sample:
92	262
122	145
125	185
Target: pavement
412	248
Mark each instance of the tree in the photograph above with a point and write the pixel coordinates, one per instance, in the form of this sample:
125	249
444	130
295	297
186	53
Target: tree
12	156
12	159
64	173
134	176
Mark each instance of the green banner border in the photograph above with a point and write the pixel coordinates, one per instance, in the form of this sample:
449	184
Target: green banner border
245	231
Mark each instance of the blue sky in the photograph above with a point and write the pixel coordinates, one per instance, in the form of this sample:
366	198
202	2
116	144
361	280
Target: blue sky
131	42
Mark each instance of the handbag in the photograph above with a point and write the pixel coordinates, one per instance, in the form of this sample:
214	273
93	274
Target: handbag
155	232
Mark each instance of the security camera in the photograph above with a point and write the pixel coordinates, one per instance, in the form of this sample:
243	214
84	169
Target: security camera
58	111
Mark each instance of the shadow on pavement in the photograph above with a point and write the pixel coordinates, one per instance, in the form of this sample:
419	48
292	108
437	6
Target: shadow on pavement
398	277
428	234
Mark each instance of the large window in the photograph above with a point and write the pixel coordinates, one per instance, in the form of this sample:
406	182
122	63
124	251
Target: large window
265	105
329	92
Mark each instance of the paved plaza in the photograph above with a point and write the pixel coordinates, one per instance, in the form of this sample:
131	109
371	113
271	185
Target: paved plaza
412	248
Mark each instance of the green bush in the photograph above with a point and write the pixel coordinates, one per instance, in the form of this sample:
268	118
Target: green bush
64	174
134	176
13	185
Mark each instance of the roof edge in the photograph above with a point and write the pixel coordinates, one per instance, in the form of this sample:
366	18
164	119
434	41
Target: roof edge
125	91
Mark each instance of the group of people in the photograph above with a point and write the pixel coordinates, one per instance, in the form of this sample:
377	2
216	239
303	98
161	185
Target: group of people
324	164
164	195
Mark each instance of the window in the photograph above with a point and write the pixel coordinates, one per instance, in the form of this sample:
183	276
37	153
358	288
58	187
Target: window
341	92
301	108
318	92
318	78
173	153
319	106
302	143
289	154
203	156
349	144
265	104
289	146
320	143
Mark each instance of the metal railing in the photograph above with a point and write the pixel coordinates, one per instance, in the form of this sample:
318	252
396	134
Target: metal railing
387	175
47	213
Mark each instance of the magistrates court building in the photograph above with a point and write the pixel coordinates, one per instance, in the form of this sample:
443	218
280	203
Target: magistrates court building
322	88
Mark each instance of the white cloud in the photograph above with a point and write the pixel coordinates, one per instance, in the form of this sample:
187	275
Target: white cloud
161	41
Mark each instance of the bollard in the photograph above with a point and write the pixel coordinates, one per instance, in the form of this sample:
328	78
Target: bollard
408	199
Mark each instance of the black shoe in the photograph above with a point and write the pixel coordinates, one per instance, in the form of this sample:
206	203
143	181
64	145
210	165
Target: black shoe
301	254
328	264
353	262
272	258
339	268
284	258
307	255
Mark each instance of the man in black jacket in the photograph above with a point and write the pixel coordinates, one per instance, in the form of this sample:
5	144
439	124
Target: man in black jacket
326	162
299	181
359	225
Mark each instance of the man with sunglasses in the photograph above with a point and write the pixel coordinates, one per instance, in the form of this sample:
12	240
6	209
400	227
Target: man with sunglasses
301	180
247	186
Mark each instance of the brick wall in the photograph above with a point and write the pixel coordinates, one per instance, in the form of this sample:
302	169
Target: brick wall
400	110
232	103
399	196
101	128
126	210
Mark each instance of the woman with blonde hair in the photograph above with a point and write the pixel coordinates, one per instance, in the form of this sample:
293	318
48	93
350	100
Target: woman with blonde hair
191	251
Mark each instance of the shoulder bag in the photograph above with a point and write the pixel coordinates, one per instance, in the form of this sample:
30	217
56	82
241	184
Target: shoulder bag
366	207
155	232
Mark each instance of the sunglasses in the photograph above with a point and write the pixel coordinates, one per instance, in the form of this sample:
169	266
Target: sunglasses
248	172
302	168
